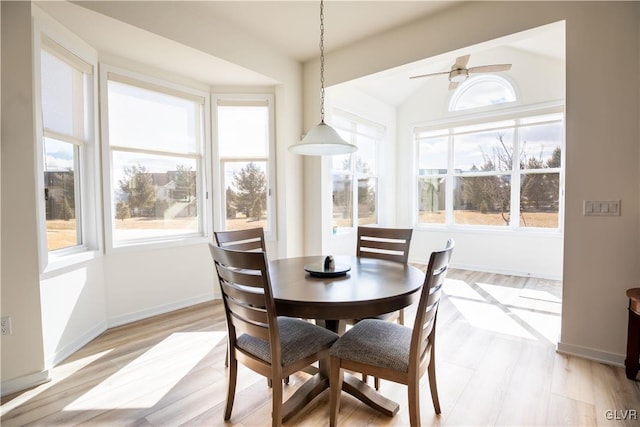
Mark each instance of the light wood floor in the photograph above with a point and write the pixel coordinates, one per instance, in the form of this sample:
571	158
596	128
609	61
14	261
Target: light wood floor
496	365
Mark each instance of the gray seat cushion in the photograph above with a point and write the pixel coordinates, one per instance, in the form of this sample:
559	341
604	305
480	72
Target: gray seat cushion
298	339
376	343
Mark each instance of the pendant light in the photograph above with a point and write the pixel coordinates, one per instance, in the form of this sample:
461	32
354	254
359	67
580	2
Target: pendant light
322	139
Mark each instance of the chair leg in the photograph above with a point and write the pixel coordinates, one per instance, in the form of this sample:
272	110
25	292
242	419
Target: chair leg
376	382
231	391
433	385
335	385
413	389
401	317
276	402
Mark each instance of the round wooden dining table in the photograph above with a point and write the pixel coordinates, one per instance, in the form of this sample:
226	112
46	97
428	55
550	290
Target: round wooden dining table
371	287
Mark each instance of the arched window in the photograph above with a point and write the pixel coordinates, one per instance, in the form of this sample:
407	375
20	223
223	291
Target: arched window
482	91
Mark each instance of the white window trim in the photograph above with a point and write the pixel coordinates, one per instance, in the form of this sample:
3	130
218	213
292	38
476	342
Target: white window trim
498	114
219	201
84	57
204	212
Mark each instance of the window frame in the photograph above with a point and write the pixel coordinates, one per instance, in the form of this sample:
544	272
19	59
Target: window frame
163	87
48	36
516	114
377	135
218	161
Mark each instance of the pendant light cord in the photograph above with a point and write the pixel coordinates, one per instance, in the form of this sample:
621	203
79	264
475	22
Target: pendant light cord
321	61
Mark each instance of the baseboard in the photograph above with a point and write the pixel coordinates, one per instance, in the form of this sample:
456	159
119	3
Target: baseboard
25	382
591	354
76	345
154	311
506	272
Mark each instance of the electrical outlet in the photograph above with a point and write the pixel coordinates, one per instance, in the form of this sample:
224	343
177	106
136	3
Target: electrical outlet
5	325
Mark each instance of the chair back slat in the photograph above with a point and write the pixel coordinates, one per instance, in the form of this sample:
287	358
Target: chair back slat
424	328
251	239
384	243
250	296
240	277
247	313
241	327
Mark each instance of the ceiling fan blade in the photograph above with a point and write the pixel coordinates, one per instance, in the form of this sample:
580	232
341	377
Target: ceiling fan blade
490	68
461	62
453	85
428	75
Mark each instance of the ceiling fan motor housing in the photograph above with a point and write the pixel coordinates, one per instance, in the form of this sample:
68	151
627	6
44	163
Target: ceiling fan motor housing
459	75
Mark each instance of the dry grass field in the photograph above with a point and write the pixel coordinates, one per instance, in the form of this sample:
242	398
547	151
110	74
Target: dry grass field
61	234
529	219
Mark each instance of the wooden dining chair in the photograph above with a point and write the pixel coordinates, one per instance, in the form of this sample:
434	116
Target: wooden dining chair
392	351
273	346
250	239
391	244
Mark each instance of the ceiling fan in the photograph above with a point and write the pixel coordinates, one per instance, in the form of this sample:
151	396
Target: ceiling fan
459	71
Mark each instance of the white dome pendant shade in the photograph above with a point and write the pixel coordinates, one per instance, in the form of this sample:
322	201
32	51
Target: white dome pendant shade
322	140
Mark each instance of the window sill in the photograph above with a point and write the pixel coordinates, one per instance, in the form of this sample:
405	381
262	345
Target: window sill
61	263
471	229
133	246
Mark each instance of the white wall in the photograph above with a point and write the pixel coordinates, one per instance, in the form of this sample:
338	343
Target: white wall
603	140
22	351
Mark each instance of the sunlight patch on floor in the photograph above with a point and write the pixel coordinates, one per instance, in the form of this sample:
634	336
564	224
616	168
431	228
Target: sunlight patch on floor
520	312
460	288
547	325
60	373
130	387
491	318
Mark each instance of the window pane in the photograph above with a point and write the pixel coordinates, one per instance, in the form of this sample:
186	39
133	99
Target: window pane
431	200
60	194
154	195
243	131
483	91
539	200
367	193
483	151
342	200
541	146
245	186
433	155
341	162
145	119
482	200
62	96
366	156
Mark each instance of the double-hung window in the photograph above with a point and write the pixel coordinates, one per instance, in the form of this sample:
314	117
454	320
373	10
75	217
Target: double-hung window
504	173
355	175
66	99
244	125
154	143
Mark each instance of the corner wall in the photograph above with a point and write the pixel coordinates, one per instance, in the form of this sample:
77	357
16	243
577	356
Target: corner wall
22	351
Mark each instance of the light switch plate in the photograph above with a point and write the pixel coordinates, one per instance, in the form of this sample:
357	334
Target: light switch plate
601	207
